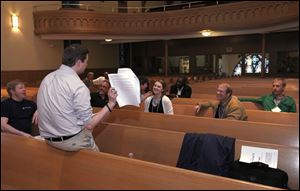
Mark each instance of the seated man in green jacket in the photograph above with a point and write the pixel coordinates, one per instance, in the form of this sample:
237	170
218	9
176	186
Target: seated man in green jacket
227	106
277	101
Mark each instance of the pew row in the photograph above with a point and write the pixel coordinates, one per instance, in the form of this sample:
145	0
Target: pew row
251	131
241	90
195	101
163	147
213	96
44	167
253	115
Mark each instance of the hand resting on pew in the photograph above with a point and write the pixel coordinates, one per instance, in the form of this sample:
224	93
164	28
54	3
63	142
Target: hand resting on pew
197	109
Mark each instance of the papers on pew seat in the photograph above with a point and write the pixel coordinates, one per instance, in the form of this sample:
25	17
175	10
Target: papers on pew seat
258	154
127	85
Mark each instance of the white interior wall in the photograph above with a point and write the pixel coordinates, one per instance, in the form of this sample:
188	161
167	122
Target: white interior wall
23	50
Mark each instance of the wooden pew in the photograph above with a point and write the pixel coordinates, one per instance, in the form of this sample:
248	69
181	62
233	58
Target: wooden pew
213	96
195	101
163	147
43	167
245	91
251	131
245	87
253	115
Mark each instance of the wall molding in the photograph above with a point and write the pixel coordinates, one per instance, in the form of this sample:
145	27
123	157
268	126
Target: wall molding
225	17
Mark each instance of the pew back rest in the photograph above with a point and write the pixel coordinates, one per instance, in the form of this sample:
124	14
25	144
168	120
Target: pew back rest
195	101
44	167
253	115
163	147
244	90
252	131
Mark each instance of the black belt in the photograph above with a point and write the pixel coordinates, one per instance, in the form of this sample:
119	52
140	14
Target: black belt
63	138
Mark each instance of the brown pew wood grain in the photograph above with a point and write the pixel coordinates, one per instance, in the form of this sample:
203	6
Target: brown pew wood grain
44	167
253	115
163	146
251	131
195	101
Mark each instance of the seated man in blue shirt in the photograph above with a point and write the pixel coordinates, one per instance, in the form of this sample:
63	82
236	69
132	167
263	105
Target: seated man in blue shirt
17	113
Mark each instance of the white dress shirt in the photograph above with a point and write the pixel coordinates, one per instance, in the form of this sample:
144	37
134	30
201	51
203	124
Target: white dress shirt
63	103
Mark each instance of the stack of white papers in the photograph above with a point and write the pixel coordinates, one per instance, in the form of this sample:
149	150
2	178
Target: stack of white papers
257	154
127	85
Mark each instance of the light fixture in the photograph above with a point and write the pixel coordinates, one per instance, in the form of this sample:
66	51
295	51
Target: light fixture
108	39
15	21
206	32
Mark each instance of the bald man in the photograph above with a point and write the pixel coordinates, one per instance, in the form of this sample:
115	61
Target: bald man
227	106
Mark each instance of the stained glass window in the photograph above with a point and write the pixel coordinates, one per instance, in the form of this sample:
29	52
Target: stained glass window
252	64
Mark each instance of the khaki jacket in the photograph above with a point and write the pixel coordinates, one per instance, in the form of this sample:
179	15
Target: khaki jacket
233	109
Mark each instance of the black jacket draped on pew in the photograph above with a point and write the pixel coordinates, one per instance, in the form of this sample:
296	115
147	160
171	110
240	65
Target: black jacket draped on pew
207	153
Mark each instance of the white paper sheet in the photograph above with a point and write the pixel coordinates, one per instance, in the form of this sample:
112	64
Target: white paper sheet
257	154
128	87
276	109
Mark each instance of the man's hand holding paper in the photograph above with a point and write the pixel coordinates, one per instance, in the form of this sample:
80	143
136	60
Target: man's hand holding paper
127	85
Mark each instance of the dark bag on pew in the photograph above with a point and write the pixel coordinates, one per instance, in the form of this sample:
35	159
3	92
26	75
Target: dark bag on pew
260	173
205	152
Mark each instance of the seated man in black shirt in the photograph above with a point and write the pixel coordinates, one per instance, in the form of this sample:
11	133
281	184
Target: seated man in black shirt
17	113
181	89
100	99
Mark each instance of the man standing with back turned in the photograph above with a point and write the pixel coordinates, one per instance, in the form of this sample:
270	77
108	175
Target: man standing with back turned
63	103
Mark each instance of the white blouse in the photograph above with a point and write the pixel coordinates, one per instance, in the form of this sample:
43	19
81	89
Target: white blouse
166	102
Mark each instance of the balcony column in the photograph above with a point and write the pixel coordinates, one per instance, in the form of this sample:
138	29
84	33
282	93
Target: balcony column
166	58
263	52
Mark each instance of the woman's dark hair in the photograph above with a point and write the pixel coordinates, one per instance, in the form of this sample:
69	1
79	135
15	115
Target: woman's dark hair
143	80
73	53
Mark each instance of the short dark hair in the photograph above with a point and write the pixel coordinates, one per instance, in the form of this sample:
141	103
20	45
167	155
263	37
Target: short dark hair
73	53
11	85
143	80
184	80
